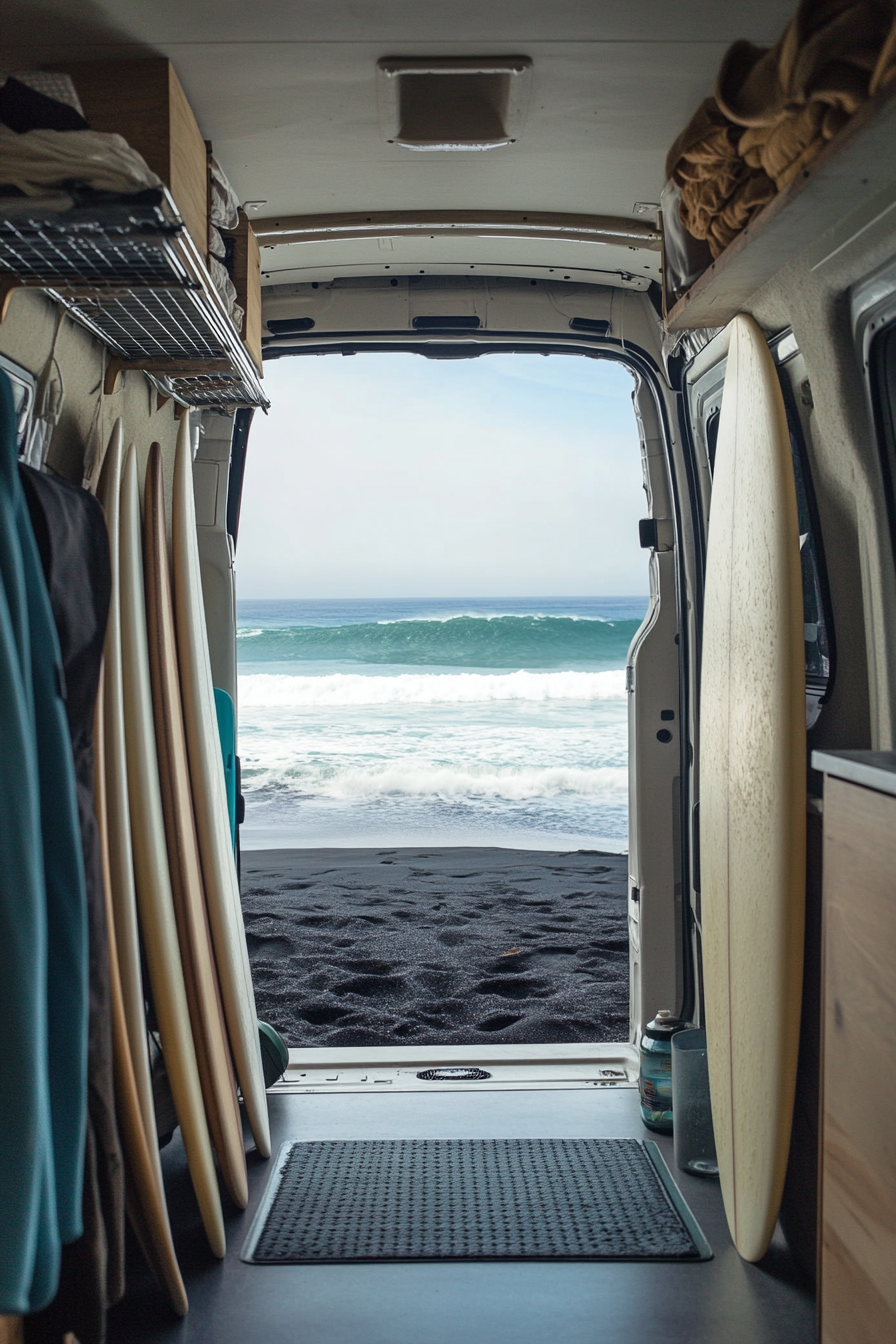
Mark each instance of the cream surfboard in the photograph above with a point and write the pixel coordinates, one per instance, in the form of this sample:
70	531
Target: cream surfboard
752	791
120	851
210	800
154	899
203	995
147	1206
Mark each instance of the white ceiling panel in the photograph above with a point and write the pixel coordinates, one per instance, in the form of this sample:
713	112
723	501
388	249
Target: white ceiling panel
287	91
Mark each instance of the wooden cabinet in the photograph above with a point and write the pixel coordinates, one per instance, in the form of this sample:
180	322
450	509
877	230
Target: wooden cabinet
143	100
857	1226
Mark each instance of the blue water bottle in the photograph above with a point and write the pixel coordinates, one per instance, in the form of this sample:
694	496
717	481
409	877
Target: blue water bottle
655	1079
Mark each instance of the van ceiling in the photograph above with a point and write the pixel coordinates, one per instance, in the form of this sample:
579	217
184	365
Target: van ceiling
286	92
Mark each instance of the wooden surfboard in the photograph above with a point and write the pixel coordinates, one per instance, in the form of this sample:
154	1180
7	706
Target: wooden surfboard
210	800
147	1207
154	898
203	995
752	791
120	850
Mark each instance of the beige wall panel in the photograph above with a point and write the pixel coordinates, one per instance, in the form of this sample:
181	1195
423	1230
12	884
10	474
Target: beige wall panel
27	338
811	295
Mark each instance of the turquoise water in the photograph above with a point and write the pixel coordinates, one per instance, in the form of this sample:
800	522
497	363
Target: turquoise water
486	721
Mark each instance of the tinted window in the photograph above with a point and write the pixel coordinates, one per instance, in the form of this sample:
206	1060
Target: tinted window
883	391
817	626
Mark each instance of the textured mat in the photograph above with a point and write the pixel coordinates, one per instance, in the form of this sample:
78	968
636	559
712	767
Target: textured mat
472	1199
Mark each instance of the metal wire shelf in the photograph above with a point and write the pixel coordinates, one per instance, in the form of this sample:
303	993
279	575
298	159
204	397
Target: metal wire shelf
127	269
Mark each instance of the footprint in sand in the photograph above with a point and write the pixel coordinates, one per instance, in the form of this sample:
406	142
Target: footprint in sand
515	987
372	986
268	945
498	1022
370	967
436	982
324	1014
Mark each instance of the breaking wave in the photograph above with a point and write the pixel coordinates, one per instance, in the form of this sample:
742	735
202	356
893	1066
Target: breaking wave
421	780
458	641
263	690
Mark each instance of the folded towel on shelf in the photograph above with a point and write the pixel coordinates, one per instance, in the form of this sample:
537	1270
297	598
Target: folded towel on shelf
775	109
224	211
33	161
216	245
227	290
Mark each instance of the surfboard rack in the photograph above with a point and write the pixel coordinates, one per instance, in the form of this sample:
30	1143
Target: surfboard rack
127	269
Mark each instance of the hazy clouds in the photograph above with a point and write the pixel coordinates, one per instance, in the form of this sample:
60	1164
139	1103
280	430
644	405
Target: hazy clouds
389	475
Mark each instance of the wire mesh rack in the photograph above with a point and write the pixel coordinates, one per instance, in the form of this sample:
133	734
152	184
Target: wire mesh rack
127	269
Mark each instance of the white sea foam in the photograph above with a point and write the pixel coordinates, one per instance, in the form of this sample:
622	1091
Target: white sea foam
419	779
265	690
494	616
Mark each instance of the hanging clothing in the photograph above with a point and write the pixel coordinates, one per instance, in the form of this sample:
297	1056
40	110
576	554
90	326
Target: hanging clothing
43	926
71	536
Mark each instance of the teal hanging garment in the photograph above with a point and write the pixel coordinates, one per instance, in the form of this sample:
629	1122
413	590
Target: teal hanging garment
43	937
227	735
29	1239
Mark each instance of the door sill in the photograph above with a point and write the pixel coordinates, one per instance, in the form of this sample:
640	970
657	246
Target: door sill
509	1068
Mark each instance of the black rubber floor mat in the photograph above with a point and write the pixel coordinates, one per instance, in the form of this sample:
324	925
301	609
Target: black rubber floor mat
472	1199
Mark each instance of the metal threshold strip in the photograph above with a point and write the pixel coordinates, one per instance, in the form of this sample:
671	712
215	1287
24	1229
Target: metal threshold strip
456	1068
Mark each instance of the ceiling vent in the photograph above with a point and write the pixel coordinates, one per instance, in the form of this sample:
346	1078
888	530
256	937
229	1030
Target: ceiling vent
453	104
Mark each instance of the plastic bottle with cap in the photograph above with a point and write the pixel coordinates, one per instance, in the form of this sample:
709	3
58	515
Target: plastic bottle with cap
655	1080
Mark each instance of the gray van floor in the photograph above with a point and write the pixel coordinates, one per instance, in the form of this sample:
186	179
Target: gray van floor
721	1301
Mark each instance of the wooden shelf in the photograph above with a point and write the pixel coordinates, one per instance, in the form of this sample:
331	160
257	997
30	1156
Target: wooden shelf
846	189
130	272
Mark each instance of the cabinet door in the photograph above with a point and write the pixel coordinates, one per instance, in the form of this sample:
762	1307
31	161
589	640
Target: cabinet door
858	1174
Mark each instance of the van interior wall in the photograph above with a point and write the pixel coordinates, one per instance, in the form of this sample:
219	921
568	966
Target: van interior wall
812	296
26	337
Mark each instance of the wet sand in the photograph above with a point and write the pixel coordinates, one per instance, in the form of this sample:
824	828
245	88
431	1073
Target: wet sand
438	946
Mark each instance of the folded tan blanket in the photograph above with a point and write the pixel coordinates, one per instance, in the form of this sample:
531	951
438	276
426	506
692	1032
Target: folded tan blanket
776	108
719	191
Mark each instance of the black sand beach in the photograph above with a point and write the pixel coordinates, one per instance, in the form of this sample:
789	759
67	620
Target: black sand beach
438	946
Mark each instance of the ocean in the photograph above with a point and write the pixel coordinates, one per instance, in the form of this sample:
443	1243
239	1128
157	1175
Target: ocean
498	721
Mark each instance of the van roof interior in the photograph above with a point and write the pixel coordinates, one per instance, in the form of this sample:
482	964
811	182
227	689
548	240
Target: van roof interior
287	94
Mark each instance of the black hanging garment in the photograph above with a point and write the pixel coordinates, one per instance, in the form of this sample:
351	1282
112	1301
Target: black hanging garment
73	543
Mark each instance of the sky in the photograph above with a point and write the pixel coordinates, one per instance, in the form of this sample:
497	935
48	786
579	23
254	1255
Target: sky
391	475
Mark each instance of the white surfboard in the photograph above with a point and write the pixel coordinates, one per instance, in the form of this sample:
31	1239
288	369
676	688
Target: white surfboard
210	800
201	981
147	1206
752	791
154	897
121	857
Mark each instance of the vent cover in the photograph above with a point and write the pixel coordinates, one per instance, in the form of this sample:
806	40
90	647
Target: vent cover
453	104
